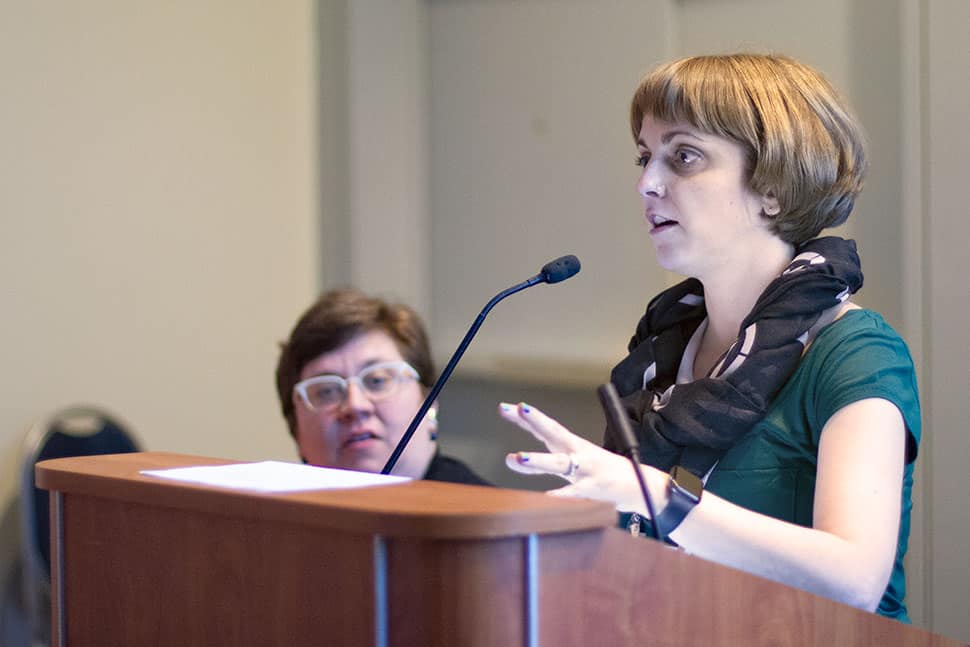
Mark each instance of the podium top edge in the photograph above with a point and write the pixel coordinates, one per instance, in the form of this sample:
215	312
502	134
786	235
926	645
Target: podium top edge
424	509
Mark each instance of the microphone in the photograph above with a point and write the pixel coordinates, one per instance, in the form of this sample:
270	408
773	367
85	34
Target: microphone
554	271
558	270
627	440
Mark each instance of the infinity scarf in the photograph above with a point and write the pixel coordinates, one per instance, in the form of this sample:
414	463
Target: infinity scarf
694	424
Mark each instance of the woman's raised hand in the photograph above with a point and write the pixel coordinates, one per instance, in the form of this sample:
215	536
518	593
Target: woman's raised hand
592	471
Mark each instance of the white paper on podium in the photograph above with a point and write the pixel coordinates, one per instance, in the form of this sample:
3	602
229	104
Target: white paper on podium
275	476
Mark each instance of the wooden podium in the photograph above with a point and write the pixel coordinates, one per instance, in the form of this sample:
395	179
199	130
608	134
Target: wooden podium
141	560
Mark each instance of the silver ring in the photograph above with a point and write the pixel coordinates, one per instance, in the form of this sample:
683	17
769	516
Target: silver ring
573	467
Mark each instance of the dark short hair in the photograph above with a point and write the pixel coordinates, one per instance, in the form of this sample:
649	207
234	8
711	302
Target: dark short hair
333	320
802	142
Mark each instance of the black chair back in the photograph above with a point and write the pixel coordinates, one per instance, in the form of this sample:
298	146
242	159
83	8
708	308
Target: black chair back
72	431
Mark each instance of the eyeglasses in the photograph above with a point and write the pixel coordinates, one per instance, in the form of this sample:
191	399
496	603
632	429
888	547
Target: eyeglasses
378	381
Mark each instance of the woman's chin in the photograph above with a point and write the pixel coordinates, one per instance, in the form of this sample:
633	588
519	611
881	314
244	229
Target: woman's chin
671	262
364	461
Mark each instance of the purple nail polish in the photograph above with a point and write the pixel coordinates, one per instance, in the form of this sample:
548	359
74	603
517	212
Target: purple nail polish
526	408
523	458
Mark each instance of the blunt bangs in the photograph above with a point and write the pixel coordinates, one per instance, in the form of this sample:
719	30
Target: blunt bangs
696	92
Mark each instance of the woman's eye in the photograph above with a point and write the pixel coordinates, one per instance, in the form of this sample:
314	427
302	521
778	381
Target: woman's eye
378	381
325	391
641	160
685	157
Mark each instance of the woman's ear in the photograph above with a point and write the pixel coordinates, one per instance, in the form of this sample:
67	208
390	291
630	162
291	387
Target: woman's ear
769	205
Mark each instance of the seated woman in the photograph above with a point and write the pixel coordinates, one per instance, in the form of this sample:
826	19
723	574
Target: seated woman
787	416
351	377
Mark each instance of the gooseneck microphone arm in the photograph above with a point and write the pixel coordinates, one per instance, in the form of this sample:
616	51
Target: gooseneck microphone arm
552	272
626	439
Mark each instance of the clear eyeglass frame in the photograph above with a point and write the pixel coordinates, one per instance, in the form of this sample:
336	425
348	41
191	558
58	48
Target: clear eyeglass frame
378	382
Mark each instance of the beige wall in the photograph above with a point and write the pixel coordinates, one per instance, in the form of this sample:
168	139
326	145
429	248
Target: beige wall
158	218
946	299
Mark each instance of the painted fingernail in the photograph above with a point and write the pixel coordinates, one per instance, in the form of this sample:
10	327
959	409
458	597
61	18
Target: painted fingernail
505	406
523	458
526	408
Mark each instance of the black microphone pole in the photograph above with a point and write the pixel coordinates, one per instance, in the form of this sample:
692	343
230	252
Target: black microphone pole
552	272
620	423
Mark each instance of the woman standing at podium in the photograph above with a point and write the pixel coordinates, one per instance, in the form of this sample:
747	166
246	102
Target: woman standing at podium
351	376
778	422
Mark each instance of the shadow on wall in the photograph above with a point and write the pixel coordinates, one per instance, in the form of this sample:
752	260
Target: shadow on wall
471	429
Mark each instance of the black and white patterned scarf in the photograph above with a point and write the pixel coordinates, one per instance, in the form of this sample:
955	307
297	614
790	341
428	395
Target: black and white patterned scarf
694	424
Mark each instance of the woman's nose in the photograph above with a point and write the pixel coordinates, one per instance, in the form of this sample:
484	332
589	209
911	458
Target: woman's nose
651	184
355	400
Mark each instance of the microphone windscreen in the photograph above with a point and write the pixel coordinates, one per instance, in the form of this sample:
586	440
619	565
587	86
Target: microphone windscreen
560	269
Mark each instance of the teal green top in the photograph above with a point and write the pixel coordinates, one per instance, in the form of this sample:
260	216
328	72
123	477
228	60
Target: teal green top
772	470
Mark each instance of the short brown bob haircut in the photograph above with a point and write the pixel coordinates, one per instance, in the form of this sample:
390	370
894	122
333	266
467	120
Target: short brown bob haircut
337	317
804	146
